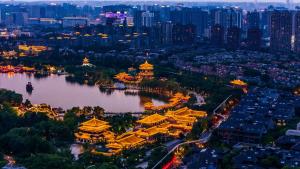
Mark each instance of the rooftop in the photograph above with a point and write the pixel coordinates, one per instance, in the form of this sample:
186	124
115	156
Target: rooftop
154	118
146	66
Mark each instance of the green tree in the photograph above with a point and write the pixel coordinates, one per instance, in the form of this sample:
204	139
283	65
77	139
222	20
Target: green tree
24	141
107	166
8	118
198	128
270	161
48	161
10	97
156	155
98	112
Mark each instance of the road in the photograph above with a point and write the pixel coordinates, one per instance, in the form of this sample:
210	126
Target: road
203	139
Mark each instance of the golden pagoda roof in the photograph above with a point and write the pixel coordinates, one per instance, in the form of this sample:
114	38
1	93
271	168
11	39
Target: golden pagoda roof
184	119
94	122
85	60
122	75
238	82
175	133
95	129
146	66
155	130
185	111
83	135
114	146
125	134
130	140
94	125
154	118
148	104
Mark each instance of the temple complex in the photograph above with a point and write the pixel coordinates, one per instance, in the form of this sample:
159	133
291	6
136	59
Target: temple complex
93	131
146	131
154	119
176	100
145	72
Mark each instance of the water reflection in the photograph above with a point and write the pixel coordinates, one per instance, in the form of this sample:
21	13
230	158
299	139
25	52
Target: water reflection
57	92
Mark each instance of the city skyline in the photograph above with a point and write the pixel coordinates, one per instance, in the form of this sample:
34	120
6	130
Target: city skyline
201	1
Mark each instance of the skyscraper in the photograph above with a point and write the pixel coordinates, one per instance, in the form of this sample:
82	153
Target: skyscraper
233	37
253	19
166	29
235	17
227	17
200	20
137	19
183	34
253	30
217	35
281	30
265	23
147	19
195	16
253	38
297	32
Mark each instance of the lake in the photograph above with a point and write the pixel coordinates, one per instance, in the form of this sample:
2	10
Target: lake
55	91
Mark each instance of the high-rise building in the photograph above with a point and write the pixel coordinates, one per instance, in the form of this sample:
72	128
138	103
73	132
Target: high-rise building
297	32
253	30
265	22
165	13
166	29
217	35
74	21
200	20
194	16
137	19
218	16
253	19
233	37
227	17
281	30
253	38
34	11
183	33
235	18
147	19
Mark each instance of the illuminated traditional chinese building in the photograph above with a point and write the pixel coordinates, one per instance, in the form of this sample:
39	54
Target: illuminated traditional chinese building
148	130
146	71
93	131
154	119
9	54
15	69
238	82
33	49
176	100
124	77
86	62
